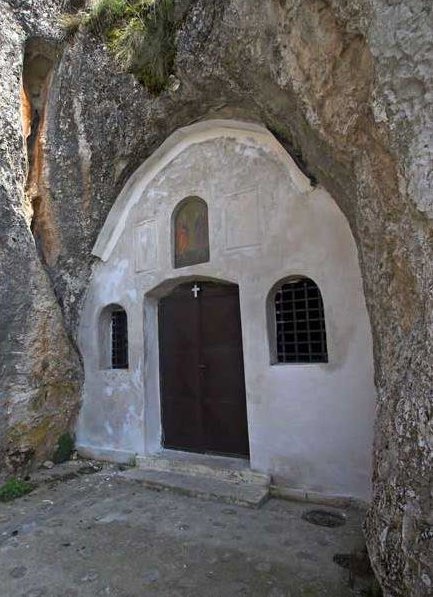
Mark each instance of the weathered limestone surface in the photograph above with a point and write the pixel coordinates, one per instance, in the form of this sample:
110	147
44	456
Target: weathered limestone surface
39	368
347	86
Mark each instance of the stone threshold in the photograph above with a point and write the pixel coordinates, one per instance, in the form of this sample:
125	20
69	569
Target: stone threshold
204	476
172	470
212	466
203	487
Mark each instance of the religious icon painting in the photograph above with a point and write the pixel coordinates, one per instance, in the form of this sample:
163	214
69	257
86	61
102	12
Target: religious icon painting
191	232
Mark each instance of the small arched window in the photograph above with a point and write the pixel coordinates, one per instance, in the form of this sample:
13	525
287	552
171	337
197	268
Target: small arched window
299	333
114	338
190	232
119	339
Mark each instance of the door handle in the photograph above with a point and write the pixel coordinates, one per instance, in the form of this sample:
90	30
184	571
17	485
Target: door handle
202	366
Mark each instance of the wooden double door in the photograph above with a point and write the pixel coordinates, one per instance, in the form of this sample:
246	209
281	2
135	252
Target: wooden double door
202	371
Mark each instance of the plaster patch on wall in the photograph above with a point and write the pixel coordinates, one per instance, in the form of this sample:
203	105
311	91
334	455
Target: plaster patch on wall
145	245
242	221
108	428
249	151
112	281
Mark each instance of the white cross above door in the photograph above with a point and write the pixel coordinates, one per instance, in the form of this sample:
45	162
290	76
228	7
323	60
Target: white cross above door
195	290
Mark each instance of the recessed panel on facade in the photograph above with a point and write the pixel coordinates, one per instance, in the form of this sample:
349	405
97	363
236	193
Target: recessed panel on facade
242	221
145	246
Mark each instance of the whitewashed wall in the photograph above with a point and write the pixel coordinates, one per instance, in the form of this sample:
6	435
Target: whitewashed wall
310	425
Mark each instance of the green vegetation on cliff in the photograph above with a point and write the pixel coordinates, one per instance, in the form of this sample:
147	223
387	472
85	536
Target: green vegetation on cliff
140	34
14	488
65	446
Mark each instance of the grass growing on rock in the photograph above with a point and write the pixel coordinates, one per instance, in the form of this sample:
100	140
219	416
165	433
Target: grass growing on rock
141	34
14	488
65	446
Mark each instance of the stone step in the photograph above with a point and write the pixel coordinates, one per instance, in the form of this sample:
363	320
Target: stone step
215	467
238	492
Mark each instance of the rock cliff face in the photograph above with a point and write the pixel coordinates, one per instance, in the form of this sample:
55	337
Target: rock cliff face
346	86
40	371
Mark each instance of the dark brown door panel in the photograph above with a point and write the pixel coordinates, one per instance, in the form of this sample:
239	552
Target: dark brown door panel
202	374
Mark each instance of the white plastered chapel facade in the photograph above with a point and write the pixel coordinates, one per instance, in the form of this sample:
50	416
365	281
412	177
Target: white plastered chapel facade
310	425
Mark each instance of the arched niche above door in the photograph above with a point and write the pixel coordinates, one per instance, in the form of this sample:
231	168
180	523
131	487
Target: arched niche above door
190	232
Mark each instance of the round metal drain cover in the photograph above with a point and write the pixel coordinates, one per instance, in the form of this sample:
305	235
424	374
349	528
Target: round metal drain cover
324	518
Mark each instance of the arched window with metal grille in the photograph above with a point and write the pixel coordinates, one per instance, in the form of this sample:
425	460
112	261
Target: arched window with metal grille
119	339
298	332
114	338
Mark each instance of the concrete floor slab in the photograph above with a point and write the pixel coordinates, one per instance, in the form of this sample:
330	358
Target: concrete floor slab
102	534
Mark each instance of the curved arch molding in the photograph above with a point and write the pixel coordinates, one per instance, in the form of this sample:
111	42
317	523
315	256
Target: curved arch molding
248	133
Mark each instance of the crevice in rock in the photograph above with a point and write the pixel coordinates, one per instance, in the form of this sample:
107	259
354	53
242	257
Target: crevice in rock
296	155
39	60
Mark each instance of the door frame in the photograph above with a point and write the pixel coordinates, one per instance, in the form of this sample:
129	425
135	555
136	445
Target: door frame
153	442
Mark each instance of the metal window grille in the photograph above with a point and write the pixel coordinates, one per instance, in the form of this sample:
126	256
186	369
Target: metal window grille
300	323
119	340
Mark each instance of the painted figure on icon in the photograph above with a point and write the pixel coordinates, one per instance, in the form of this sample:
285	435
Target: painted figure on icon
191	232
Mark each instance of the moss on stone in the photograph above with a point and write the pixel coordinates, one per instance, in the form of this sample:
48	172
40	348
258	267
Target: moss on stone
24	434
65	446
